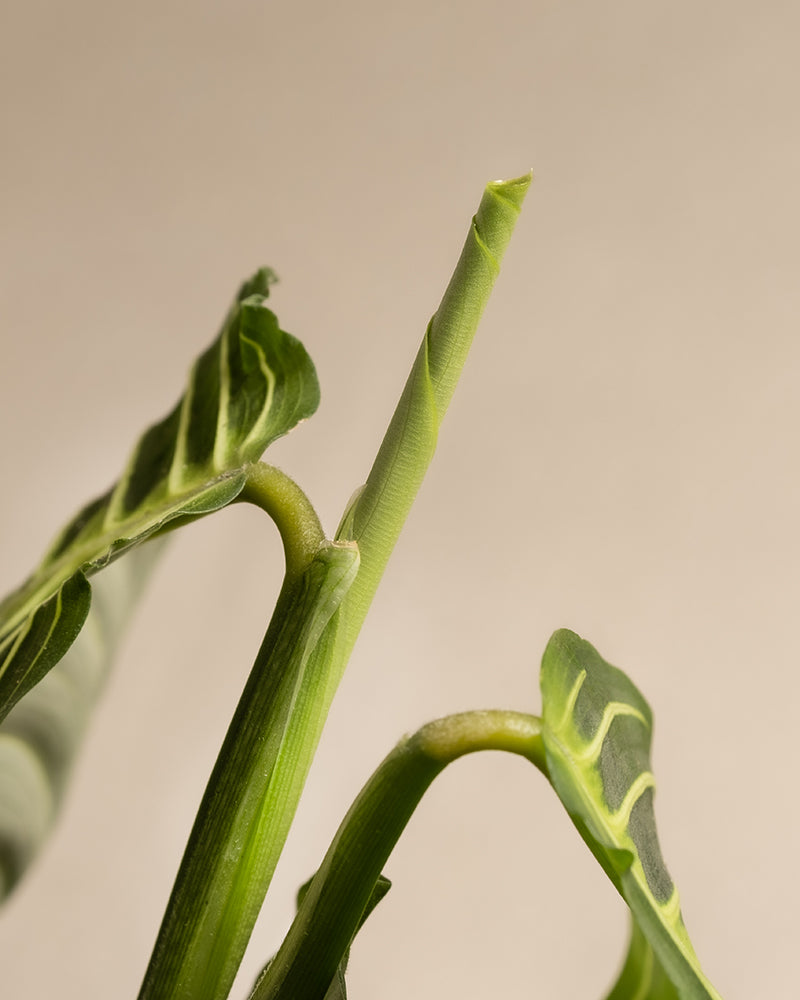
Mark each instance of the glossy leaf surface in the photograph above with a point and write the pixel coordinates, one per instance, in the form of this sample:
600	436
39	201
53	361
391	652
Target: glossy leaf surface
597	731
252	385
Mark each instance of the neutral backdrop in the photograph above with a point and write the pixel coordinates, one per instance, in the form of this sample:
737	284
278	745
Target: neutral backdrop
620	458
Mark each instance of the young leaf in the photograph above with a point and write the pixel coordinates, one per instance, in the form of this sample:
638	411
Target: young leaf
252	385
597	730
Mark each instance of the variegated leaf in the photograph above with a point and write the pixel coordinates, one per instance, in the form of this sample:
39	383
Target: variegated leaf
597	730
252	385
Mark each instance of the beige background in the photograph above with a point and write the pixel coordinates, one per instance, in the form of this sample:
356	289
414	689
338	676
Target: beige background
621	457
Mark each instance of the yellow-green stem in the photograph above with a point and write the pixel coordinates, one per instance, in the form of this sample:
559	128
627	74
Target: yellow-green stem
289	507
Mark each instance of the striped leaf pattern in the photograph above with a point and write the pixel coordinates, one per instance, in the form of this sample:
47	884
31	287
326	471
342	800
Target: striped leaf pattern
597	731
253	384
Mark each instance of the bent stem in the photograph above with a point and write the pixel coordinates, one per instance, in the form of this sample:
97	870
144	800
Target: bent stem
242	822
331	910
291	510
240	826
256	784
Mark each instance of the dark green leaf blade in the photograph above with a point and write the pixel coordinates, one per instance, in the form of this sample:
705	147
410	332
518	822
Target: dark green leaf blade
253	384
597	731
30	650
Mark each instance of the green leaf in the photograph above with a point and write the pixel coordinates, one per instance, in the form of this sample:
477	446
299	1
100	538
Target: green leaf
40	736
252	385
597	730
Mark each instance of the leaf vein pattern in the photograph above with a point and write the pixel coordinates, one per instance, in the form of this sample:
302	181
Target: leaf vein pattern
270	380
612	710
221	442
177	473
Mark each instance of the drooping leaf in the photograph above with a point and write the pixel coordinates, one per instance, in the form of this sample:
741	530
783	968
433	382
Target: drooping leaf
597	730
252	385
41	734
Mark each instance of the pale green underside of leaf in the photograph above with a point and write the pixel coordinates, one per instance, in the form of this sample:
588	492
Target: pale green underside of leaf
253	384
597	731
41	734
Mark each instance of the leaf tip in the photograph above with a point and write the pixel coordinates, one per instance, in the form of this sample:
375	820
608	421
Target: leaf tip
258	284
512	190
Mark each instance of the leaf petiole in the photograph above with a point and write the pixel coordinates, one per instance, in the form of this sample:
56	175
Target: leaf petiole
332	907
279	496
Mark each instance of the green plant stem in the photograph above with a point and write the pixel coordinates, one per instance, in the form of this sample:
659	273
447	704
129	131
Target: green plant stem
231	854
256	784
331	909
242	821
